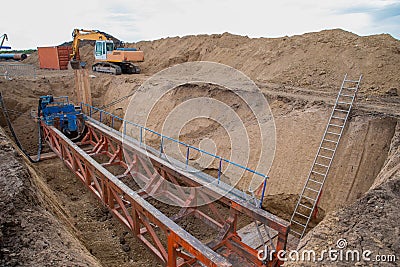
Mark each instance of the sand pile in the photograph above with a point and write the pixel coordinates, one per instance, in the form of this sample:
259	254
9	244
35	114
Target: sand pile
86	53
32	59
318	60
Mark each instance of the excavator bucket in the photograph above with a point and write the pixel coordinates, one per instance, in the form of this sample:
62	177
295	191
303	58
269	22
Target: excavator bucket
76	65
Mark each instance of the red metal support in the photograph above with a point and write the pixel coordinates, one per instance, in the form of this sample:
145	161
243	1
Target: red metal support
174	246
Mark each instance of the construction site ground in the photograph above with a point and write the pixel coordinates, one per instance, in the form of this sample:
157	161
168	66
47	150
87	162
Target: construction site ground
47	218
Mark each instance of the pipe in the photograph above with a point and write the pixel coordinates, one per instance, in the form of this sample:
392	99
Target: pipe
13	56
7	56
20	56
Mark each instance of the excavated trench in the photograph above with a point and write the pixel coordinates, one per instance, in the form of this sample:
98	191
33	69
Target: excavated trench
299	127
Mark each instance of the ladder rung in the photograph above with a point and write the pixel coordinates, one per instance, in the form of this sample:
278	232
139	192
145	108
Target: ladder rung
339	118
296	222
311	189
343	103
302	215
322	165
329	149
342	110
352	81
312	180
346	95
293	231
318	173
309	198
335	125
325	157
330	141
333	133
305	206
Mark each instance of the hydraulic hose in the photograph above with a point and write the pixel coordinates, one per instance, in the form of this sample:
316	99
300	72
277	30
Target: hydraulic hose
10	127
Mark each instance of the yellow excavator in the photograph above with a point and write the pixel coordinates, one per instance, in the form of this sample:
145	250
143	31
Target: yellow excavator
109	59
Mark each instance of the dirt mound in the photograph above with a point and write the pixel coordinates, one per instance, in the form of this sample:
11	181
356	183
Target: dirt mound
318	60
32	59
371	223
29	234
315	60
86	53
91	42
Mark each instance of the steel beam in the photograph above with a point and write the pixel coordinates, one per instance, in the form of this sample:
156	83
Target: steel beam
131	208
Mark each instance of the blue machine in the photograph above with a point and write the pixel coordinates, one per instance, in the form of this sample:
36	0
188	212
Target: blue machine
60	113
125	49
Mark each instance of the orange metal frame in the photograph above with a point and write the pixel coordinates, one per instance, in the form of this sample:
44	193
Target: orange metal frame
170	243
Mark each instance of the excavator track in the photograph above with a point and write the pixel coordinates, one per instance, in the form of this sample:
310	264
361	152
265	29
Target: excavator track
129	68
107	67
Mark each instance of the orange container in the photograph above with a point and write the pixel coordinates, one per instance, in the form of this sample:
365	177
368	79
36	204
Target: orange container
54	57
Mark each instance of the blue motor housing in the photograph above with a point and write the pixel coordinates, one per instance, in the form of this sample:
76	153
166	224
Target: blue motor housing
58	112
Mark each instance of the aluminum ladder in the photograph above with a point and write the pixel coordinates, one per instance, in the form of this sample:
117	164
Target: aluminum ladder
311	192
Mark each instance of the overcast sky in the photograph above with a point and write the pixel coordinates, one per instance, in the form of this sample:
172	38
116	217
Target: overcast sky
47	23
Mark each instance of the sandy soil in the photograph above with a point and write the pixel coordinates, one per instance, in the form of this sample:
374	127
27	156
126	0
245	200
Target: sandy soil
31	234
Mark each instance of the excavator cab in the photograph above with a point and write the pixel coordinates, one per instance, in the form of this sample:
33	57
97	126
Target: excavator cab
102	49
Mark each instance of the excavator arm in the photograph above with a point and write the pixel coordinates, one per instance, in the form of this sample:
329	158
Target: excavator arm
78	35
2	38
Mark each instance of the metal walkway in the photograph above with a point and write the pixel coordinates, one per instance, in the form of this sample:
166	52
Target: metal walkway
116	169
310	194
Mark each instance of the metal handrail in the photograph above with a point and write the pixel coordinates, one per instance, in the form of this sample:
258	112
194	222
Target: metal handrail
141	127
9	70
